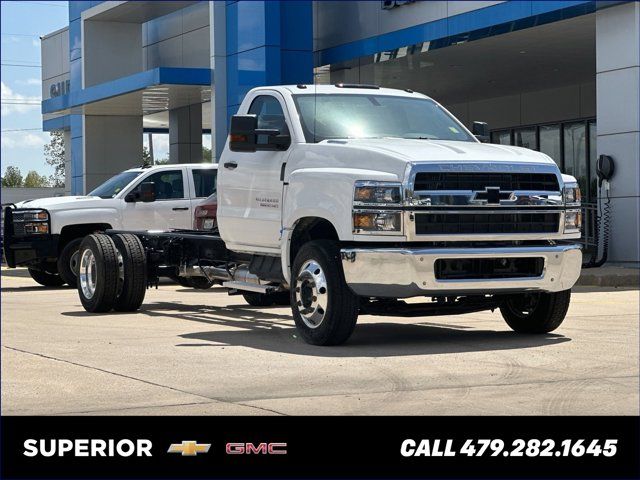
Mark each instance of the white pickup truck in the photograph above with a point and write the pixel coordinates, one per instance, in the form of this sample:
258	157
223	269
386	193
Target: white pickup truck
45	234
346	200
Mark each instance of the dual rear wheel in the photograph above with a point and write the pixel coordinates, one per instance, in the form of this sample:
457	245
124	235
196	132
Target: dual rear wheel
112	273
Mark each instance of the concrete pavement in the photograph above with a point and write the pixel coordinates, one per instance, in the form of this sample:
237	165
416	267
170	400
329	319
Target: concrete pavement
191	352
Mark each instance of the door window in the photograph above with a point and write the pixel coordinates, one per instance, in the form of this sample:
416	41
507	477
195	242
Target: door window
270	116
168	184
204	180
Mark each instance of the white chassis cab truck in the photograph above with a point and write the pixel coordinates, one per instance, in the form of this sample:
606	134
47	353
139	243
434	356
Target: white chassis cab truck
348	199
44	234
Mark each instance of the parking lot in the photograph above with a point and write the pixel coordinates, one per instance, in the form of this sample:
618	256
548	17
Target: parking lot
189	352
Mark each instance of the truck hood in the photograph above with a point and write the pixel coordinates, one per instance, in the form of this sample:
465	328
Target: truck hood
65	203
411	150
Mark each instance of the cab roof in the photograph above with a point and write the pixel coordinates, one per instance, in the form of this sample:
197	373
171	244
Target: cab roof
347	89
171	165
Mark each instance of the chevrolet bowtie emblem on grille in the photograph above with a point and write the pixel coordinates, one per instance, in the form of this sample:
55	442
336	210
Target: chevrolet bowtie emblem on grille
189	448
491	196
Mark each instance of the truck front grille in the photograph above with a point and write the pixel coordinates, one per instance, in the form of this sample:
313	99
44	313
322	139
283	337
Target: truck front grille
480	180
17	221
433	223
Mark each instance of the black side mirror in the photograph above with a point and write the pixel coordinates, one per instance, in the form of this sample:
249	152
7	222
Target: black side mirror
148	192
480	130
242	133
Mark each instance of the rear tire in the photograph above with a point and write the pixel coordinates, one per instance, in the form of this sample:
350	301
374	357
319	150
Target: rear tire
134	262
536	312
98	273
68	262
45	278
324	309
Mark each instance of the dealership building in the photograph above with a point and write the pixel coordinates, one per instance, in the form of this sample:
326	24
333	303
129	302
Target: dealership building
562	77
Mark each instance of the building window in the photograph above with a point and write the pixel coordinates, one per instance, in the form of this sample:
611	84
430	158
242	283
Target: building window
593	179
526	137
503	137
575	152
572	145
550	142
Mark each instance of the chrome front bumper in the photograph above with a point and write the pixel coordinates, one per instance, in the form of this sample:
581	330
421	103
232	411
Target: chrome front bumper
410	272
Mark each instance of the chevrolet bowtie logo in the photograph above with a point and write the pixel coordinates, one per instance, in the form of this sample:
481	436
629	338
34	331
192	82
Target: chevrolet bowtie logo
189	448
491	196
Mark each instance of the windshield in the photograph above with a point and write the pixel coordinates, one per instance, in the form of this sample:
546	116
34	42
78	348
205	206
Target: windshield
375	116
114	185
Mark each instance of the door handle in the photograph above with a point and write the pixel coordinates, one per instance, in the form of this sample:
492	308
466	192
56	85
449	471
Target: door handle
230	165
175	209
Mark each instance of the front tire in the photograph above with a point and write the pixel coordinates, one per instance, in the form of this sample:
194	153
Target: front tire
68	262
45	278
98	273
324	309
536	312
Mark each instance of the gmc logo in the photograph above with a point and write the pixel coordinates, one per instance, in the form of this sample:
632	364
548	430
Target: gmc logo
260	448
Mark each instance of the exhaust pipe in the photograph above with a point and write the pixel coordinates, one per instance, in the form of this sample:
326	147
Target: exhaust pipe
238	274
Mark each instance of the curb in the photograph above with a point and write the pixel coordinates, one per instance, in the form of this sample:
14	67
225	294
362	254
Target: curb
624	278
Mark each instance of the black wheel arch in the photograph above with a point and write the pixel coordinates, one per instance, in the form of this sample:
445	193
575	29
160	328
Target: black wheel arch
307	229
80	230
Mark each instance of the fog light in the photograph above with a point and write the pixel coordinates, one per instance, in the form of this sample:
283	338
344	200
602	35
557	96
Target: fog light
36	228
572	221
208	223
376	222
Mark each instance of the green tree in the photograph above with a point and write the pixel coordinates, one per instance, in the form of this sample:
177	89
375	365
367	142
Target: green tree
146	156
12	177
206	155
54	156
35	180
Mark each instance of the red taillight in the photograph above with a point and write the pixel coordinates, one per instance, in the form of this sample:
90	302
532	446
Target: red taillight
201	212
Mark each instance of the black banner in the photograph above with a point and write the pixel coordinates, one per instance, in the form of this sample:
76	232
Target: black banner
320	447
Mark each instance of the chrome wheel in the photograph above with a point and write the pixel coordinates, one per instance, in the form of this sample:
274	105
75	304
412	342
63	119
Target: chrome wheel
311	294
88	274
120	272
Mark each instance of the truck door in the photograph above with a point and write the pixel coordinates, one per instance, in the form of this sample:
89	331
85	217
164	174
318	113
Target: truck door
251	196
171	209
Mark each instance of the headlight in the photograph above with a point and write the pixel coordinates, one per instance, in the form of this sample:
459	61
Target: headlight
572	221
35	216
377	193
571	194
371	222
33	222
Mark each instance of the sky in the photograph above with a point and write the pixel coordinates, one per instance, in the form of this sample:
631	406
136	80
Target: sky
23	22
